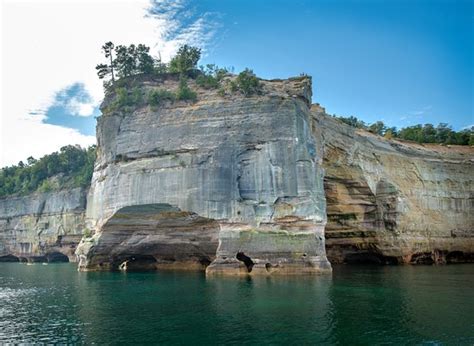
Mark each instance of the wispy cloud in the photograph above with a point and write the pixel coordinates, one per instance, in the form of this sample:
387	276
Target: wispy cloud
76	100
39	112
181	23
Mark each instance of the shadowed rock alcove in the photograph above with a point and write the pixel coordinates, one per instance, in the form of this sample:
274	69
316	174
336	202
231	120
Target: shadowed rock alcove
156	236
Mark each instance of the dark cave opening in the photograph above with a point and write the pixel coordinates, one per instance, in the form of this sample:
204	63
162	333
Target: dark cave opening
459	257
56	257
9	258
422	258
369	258
247	260
205	261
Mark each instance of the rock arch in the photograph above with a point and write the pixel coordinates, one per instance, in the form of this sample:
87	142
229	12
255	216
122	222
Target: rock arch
151	237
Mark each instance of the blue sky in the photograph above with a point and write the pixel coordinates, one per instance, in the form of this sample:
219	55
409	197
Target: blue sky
66	109
404	62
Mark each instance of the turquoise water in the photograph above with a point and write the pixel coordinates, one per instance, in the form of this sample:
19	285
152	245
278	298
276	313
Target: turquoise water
356	305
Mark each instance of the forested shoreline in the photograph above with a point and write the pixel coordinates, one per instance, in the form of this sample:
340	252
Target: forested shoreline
71	167
443	133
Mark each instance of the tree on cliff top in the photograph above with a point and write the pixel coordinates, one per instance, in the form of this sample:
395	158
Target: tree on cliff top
128	61
186	59
135	59
103	70
378	128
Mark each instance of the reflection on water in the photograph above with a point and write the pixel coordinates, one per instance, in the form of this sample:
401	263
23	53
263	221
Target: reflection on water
355	305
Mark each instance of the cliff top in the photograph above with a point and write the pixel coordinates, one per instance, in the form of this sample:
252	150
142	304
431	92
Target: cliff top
171	89
457	152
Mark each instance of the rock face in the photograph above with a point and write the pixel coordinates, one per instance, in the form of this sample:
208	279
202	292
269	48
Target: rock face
242	185
233	184
44	227
395	202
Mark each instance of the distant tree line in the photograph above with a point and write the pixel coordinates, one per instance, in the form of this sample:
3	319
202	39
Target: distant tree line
71	167
427	133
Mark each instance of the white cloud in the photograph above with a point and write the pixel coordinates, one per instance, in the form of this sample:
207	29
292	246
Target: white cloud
47	46
28	136
179	25
82	109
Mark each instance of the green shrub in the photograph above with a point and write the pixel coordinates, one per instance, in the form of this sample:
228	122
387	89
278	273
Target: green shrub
221	92
207	82
136	97
233	86
157	97
211	76
248	83
184	93
46	186
87	233
126	99
121	98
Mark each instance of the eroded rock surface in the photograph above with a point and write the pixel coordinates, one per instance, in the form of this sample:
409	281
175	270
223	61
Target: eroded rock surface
42	227
395	202
229	180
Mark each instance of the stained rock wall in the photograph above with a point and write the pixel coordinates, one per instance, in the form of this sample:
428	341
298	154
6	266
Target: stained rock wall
245	185
395	202
43	227
230	183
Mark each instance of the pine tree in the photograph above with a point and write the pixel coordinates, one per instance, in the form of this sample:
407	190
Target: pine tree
104	70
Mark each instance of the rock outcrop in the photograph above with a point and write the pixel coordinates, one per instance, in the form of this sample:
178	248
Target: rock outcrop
42	227
395	202
230	183
266	184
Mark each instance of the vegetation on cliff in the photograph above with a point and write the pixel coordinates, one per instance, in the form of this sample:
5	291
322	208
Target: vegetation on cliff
135	60
427	133
125	63
71	167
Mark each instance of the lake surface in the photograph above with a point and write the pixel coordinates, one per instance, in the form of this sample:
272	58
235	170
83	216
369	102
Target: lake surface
356	305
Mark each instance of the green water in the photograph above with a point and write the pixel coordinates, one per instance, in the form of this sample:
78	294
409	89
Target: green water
356	305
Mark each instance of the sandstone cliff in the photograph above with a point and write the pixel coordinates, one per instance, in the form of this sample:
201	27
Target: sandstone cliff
44	227
395	202
230	183
244	185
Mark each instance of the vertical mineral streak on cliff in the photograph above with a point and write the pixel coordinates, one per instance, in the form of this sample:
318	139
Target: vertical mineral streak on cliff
236	181
44	227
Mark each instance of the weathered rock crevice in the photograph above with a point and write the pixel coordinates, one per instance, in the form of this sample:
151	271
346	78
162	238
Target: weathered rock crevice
247	261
